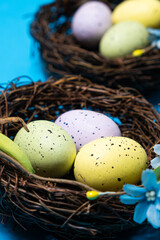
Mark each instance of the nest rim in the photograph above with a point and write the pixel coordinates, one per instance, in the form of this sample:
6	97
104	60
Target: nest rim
62	54
18	181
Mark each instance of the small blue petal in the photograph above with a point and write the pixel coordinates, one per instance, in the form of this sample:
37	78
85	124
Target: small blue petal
153	216
155	162
158	44
140	212
153	31
134	190
158	190
157	149
157	204
155	42
149	179
126	199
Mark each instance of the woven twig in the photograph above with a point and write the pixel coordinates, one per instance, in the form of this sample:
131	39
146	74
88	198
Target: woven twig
60	205
63	54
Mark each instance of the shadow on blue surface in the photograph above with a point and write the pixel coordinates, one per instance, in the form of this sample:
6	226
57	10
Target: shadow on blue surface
145	232
12	231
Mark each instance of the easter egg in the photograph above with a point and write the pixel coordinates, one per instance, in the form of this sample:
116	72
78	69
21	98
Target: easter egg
85	126
106	164
123	38
146	12
49	148
90	22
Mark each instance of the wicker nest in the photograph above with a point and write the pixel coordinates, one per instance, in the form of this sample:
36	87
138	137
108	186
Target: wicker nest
60	205
63	54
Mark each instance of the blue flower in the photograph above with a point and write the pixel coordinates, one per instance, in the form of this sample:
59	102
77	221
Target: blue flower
154	37
148	199
155	162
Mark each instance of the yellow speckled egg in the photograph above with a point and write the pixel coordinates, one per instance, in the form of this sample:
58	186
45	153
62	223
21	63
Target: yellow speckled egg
106	164
49	147
146	12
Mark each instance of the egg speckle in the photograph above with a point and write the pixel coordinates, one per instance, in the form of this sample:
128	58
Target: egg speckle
106	164
49	147
85	126
90	22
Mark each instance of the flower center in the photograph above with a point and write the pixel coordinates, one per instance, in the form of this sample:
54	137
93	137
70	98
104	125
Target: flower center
151	196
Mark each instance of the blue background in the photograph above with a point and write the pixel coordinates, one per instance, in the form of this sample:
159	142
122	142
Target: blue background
18	51
19	55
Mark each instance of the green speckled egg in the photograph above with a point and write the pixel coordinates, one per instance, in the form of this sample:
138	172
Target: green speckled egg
49	147
106	164
123	38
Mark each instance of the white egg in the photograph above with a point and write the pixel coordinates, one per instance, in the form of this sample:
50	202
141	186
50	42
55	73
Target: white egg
90	22
84	126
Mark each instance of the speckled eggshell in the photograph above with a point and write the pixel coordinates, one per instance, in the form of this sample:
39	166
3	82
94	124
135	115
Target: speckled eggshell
106	164
49	147
123	38
84	126
90	22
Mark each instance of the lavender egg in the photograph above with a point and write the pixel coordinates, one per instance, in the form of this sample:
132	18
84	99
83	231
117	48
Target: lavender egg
85	126
90	22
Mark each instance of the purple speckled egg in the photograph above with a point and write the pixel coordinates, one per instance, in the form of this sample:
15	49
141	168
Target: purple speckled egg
90	22
85	126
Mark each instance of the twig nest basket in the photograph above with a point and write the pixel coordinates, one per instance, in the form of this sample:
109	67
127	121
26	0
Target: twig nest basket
64	55
60	205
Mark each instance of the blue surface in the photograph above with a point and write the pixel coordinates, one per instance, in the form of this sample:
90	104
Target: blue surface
19	56
18	52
